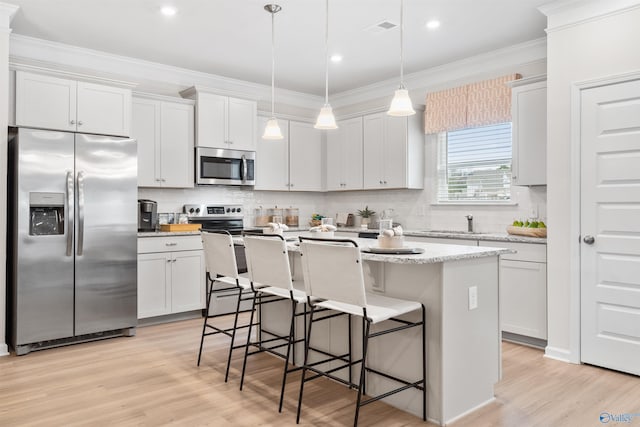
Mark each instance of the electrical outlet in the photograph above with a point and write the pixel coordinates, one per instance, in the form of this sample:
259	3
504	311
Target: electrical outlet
473	297
533	211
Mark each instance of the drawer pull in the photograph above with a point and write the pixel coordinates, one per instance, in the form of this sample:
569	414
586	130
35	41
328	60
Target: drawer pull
171	244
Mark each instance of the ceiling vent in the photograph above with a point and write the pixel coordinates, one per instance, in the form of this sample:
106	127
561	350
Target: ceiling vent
381	27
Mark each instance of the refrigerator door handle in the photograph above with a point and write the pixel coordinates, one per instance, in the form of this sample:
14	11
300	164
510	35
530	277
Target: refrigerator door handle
69	213
80	213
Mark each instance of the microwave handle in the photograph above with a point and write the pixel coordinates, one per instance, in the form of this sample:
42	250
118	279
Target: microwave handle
244	168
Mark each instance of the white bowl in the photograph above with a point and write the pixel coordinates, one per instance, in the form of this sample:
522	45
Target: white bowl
390	242
322	234
269	230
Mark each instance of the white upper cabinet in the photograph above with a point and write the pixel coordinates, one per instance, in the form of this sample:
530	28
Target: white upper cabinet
305	157
49	102
529	131
164	131
294	163
393	152
344	156
223	121
272	159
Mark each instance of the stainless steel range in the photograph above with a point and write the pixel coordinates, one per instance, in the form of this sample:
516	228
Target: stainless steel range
216	217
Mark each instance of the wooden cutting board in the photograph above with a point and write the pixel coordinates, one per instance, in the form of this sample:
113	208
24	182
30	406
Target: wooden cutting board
526	231
180	227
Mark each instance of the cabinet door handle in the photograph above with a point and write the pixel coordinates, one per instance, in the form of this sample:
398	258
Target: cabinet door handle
385	182
157	179
589	240
380	182
291	185
168	260
170	244
163	180
174	260
79	122
72	122
514	178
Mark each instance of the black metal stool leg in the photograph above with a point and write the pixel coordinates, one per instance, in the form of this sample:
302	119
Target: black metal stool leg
365	342
233	335
246	348
204	324
286	359
424	366
304	366
350	355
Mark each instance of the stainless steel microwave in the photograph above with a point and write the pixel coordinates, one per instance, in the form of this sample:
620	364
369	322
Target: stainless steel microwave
227	167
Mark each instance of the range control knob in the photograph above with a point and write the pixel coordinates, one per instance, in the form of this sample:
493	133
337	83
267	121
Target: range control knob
239	210
233	209
228	210
197	210
191	210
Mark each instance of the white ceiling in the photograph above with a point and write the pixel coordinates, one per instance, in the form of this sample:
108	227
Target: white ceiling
232	38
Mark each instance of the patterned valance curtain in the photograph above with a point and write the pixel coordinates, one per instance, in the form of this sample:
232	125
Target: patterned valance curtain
476	104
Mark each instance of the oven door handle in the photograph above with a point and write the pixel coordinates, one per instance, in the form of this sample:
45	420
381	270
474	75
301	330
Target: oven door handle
243	177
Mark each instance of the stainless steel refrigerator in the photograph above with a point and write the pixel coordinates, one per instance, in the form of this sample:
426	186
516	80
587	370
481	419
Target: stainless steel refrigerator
73	224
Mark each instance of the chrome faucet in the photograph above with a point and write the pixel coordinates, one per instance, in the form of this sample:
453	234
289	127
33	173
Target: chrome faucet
469	223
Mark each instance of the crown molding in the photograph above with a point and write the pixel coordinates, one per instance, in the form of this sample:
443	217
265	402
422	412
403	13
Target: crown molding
17	65
7	12
156	97
56	55
520	54
563	14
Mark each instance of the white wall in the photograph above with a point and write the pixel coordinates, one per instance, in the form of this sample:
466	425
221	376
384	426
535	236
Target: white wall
595	48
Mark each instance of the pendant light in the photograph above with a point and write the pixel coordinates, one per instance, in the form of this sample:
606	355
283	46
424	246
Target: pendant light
272	130
401	103
326	120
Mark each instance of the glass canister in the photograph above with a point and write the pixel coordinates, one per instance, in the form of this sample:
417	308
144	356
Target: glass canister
291	216
261	217
275	215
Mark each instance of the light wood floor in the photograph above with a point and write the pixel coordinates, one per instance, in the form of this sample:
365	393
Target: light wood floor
152	380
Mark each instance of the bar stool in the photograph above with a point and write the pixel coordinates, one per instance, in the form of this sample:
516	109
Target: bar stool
221	266
341	288
268	264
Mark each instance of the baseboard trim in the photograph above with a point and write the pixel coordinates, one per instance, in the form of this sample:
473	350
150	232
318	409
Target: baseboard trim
559	354
4	350
464	414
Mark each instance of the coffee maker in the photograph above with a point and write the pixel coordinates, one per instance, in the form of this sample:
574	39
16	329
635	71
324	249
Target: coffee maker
147	215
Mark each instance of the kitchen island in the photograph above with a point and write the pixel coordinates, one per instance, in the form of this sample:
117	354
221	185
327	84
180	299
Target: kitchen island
463	341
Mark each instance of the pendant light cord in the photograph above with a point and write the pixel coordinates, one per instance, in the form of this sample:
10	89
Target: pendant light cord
401	44
273	60
326	56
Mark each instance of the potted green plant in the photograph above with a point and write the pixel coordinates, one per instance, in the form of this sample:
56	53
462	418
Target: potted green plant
366	215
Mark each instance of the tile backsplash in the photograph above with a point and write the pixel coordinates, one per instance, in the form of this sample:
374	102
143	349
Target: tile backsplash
412	208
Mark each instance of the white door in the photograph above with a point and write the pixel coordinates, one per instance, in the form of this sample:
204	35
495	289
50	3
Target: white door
45	102
176	140
305	157
373	158
145	128
211	121
335	158
352	154
272	159
395	152
241	116
154	284
610	226
103	109
187	281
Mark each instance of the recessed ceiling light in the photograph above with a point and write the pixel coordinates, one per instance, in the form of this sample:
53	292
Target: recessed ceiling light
336	58
433	24
168	10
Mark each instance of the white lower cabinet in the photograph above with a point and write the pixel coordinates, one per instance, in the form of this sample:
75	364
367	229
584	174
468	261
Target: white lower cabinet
523	289
171	275
444	240
523	298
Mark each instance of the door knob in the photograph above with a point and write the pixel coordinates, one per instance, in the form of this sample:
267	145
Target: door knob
589	240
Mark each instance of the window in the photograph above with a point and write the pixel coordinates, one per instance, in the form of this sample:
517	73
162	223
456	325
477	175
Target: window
474	164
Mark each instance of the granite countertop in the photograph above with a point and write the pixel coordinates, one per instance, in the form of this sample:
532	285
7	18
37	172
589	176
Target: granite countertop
433	253
496	237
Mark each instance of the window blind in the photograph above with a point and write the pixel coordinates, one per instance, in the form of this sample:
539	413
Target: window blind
474	164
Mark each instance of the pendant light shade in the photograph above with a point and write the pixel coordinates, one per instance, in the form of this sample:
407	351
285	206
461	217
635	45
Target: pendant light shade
326	119
272	130
401	103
